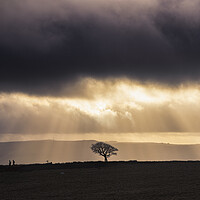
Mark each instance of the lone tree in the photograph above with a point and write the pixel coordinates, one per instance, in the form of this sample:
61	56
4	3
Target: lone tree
104	150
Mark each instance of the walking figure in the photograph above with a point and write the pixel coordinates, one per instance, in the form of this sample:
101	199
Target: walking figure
9	162
13	162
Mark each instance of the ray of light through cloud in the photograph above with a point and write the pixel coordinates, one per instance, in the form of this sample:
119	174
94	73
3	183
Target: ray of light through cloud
106	107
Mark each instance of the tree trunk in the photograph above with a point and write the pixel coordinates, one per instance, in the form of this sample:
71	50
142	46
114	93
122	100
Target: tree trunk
106	160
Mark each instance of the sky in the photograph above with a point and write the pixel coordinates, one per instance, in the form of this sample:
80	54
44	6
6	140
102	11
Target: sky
125	70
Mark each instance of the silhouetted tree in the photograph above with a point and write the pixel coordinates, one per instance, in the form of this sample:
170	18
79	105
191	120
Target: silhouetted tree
104	150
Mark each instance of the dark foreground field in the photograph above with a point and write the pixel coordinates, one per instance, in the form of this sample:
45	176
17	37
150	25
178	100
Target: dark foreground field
97	180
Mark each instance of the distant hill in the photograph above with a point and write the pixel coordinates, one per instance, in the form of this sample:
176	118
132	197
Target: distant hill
68	151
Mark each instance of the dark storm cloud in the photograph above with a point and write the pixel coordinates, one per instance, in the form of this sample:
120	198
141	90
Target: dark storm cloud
45	43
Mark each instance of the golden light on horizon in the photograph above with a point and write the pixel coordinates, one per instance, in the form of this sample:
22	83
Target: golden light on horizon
105	106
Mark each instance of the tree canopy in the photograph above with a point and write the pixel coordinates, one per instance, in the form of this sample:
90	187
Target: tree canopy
104	150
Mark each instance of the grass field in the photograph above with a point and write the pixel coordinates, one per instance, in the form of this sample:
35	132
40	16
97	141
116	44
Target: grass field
97	180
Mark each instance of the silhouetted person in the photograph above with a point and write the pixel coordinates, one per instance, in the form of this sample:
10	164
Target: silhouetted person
13	162
9	162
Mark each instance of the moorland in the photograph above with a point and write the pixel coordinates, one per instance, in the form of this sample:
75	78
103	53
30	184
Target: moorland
98	180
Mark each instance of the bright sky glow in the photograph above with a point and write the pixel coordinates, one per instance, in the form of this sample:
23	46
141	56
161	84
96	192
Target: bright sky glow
105	106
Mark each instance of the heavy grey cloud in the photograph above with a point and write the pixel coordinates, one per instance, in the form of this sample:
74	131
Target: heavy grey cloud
46	43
